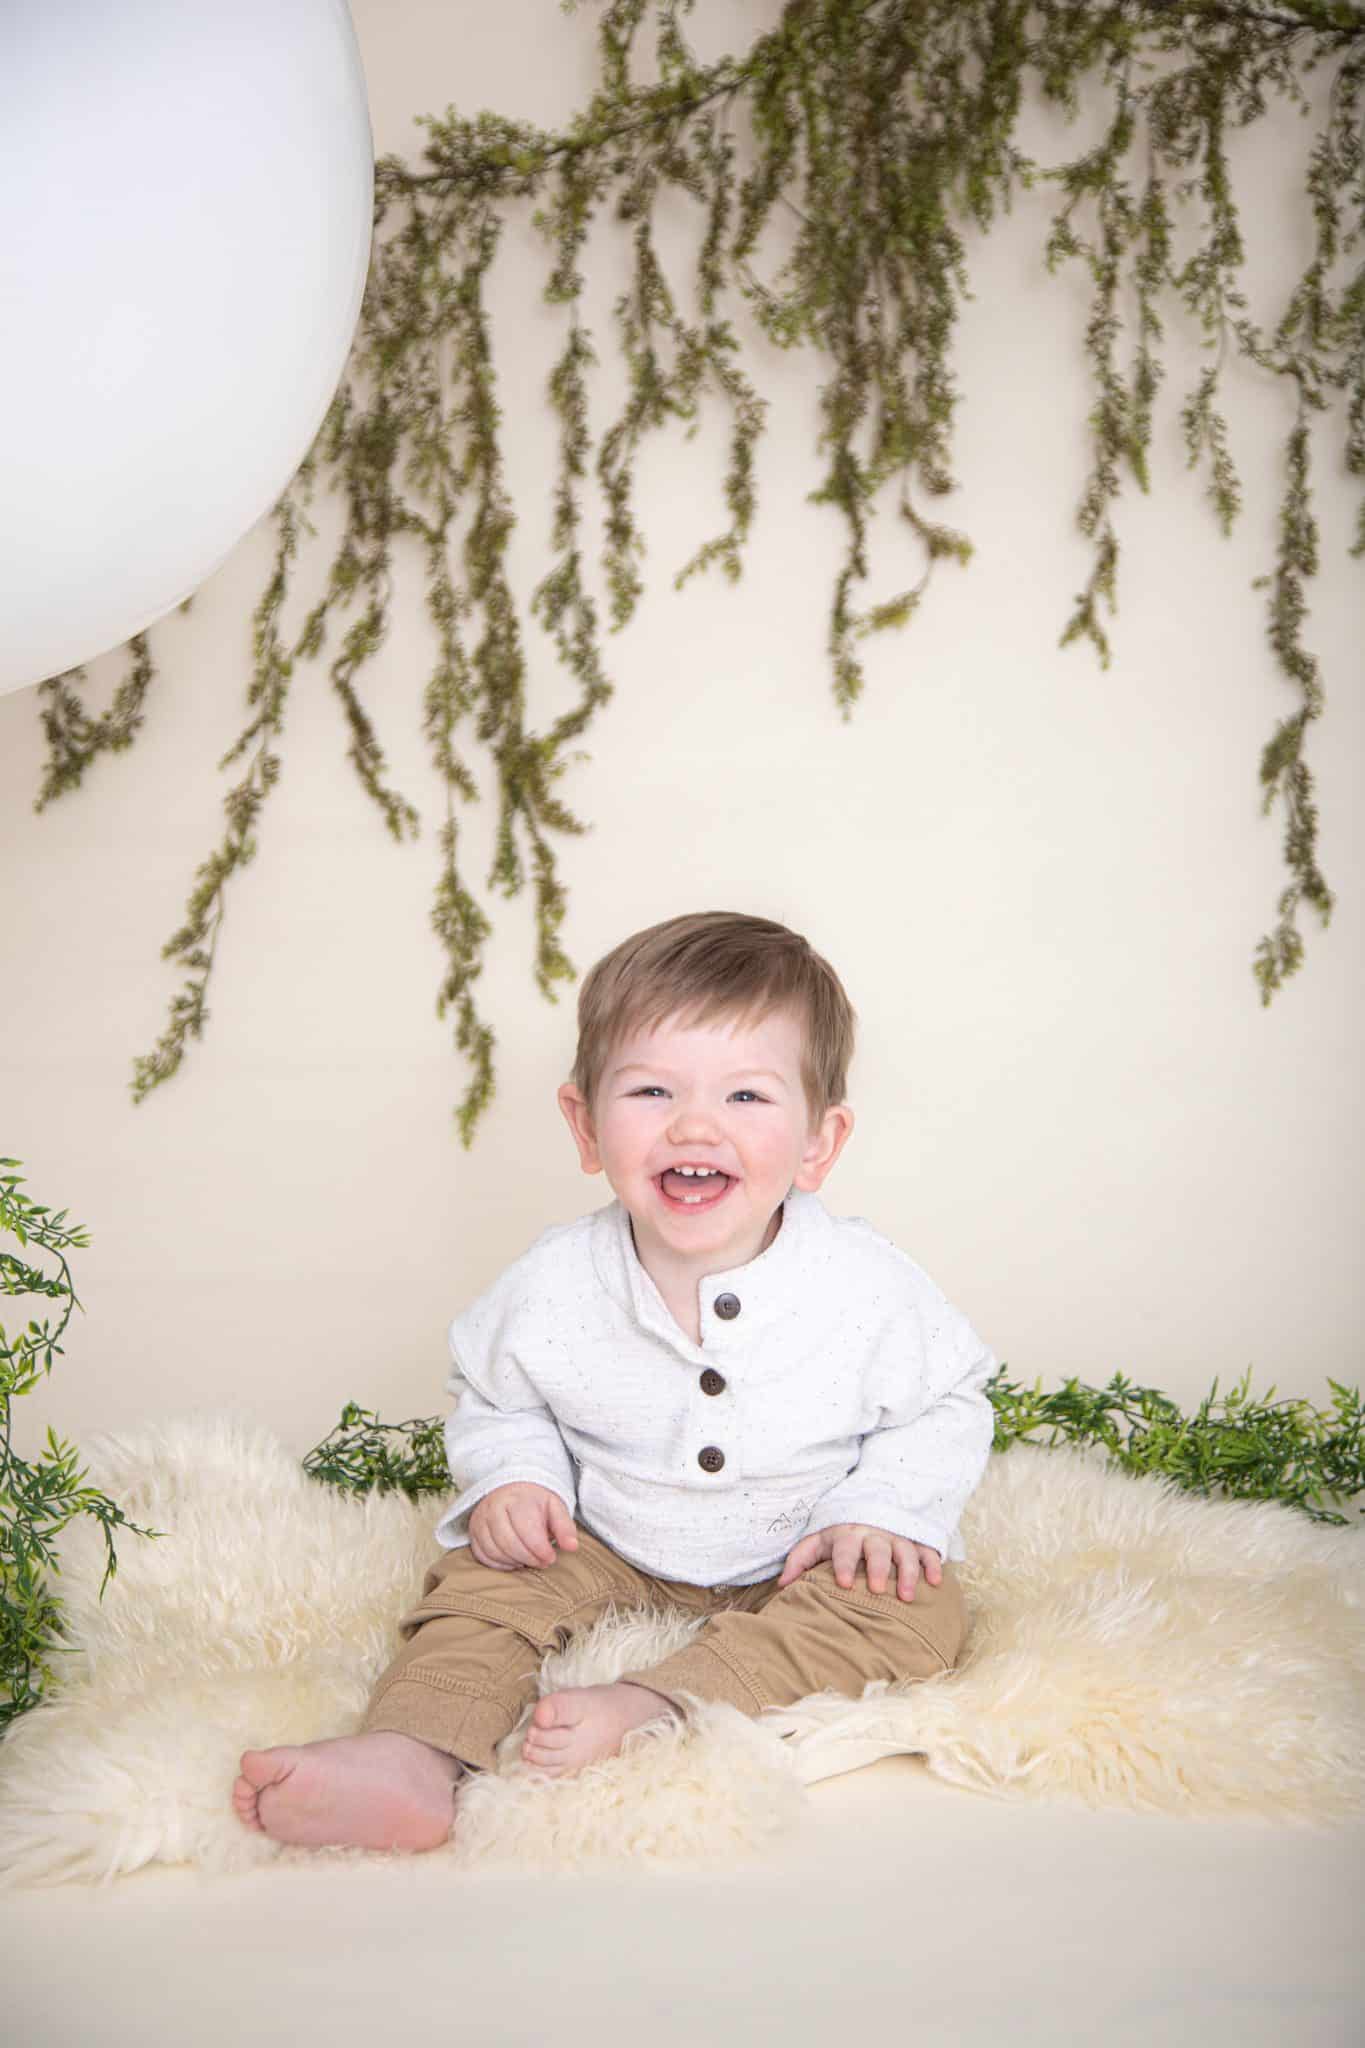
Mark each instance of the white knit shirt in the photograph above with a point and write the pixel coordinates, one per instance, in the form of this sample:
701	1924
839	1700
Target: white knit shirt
851	1391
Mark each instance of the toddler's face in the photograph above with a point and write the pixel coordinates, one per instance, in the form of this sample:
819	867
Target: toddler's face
725	1100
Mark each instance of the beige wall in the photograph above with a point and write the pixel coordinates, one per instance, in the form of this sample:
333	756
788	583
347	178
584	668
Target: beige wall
1042	883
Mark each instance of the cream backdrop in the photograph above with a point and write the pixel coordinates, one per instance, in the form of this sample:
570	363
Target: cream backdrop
1042	883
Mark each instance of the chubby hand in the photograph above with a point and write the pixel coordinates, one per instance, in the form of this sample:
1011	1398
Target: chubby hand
846	1542
519	1525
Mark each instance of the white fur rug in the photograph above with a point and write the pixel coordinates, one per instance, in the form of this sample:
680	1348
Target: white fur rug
1131	1645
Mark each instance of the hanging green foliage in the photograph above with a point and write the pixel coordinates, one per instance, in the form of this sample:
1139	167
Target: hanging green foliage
883	128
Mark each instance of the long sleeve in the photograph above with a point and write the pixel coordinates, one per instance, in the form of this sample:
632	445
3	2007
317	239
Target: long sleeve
916	1471
499	1434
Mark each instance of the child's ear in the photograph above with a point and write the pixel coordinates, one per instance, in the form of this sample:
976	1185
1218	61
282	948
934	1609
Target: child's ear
825	1143
579	1119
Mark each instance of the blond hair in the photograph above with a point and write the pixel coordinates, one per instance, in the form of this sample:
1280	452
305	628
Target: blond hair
713	965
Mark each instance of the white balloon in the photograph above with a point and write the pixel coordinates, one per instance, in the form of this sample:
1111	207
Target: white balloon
188	200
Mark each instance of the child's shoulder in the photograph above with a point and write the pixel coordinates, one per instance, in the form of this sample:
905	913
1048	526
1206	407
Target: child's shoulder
559	1259
560	1244
857	1244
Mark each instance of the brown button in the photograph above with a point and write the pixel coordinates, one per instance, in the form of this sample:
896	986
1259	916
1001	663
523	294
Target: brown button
712	1382
727	1307
710	1459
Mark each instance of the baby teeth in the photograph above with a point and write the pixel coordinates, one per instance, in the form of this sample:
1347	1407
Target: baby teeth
697	1173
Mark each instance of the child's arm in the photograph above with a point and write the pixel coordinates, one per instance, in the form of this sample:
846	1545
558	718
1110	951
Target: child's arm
919	1467
491	1443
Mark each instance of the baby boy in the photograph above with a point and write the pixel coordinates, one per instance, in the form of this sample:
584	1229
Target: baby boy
711	1396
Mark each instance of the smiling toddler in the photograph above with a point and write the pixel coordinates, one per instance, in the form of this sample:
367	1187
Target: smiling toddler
710	1395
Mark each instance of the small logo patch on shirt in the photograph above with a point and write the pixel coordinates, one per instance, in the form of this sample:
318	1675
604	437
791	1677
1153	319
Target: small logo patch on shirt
795	1518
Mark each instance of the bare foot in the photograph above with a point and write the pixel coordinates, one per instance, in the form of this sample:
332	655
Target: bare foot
381	1790
571	1728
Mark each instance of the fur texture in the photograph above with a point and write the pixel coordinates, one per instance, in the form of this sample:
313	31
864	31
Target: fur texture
1131	1645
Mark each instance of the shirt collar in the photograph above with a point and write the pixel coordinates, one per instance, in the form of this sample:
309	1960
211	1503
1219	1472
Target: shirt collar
763	1287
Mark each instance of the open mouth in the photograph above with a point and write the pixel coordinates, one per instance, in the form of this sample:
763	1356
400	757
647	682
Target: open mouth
693	1188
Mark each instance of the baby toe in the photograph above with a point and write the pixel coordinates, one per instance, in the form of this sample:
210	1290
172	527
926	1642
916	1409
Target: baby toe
244	1805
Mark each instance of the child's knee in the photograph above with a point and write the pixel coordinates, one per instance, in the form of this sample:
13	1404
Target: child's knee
936	1616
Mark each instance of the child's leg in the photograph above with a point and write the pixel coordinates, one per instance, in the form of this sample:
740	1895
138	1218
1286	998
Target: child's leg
472	1648
474	1642
763	1648
816	1636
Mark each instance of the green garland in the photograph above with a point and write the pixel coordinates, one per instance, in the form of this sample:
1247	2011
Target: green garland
882	126
1284	1451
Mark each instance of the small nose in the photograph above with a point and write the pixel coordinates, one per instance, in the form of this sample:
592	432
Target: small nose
692	1122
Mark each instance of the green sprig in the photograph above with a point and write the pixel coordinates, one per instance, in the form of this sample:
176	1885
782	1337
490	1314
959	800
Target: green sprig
38	1499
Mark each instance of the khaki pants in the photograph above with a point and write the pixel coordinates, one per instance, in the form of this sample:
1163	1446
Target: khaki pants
473	1644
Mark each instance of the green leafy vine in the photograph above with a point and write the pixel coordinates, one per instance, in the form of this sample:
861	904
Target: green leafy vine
1237	1446
38	1499
882	128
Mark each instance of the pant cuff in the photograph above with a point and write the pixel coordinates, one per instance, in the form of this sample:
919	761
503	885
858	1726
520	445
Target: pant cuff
468	1729
705	1674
